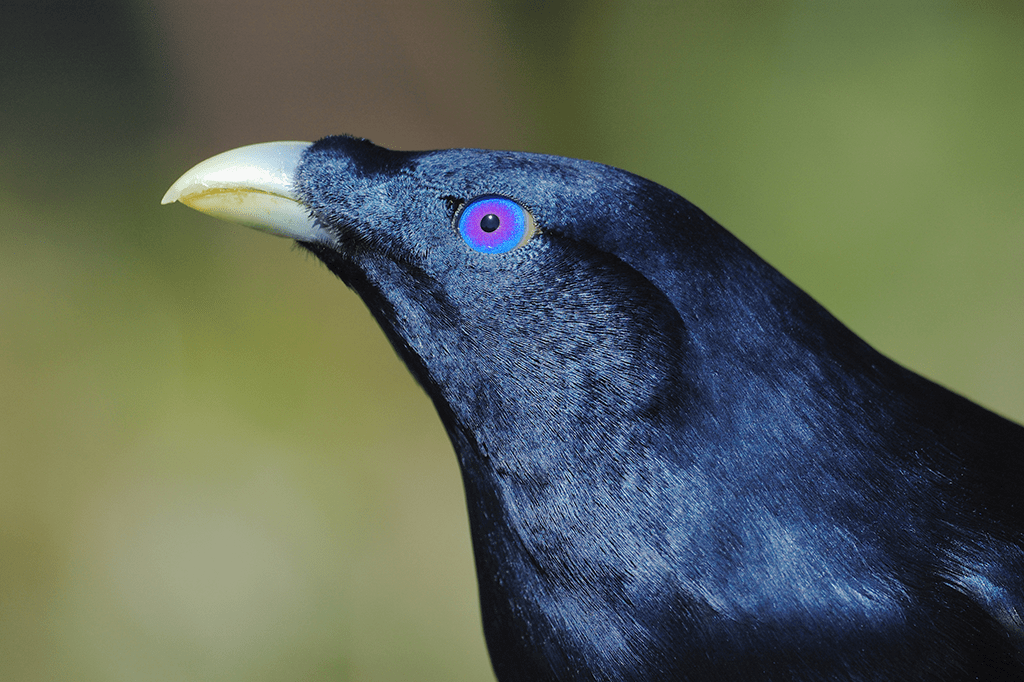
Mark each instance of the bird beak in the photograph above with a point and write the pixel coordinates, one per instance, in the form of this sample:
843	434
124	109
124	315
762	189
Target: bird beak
253	186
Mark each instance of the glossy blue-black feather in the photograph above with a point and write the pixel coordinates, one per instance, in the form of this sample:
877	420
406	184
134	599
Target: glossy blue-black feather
678	466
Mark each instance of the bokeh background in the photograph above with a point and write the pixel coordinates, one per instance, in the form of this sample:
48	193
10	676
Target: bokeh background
212	465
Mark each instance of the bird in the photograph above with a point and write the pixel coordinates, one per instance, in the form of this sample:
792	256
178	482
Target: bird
677	464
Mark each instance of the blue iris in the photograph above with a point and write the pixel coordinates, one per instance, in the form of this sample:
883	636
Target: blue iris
492	224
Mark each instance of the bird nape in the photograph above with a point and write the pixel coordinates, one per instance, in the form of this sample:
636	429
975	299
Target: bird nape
678	466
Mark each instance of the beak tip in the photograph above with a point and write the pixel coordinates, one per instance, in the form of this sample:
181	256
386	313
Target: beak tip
183	186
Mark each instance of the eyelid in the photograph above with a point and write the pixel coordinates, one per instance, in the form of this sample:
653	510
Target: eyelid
453	204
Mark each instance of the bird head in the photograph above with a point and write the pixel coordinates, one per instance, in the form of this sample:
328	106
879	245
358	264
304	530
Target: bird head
522	290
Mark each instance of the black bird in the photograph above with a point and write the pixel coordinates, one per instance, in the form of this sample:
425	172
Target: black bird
678	466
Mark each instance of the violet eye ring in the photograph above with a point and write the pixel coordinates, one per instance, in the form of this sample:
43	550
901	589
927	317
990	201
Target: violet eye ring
494	224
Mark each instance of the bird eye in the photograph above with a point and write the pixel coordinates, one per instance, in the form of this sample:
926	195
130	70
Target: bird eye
491	224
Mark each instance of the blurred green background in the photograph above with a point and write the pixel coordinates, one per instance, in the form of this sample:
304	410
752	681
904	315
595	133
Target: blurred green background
212	465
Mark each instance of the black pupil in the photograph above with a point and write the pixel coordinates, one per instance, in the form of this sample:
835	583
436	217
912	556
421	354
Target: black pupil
489	223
